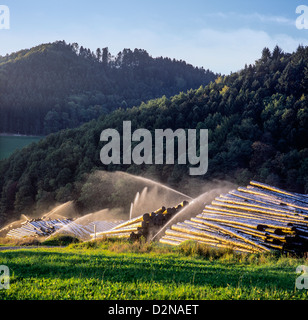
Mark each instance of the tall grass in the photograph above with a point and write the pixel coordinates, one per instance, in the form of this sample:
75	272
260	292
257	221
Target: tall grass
118	269
188	248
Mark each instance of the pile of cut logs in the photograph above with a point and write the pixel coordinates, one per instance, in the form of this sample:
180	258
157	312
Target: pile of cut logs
46	227
37	227
145	225
257	218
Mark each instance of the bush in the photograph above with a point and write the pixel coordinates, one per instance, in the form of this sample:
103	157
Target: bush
194	248
60	240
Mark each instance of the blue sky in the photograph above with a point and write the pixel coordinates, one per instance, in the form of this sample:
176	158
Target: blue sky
220	35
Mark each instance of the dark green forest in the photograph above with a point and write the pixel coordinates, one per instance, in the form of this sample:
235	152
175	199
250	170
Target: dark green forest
258	129
58	86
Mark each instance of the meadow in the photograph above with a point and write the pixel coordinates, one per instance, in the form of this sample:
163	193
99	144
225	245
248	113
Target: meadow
9	144
115	270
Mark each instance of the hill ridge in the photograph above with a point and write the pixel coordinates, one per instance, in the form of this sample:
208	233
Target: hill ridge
57	86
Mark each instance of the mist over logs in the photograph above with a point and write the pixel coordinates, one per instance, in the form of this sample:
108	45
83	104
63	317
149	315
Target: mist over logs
145	225
256	218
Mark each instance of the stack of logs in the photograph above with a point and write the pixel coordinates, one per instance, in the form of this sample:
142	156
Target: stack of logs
145	225
37	228
257	218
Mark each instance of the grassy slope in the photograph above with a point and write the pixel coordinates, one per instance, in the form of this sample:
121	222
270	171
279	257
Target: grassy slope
9	144
122	272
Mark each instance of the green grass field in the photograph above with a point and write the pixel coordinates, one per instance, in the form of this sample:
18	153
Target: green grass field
121	271
8	144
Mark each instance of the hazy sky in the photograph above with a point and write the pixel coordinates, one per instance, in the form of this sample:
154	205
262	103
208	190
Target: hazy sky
220	35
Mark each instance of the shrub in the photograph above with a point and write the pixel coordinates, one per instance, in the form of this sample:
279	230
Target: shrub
194	248
60	240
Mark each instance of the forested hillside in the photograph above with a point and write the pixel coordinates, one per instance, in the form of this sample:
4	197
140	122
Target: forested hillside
58	86
258	129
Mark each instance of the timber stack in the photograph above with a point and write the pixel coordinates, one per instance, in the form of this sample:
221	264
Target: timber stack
145	225
46	227
256	218
37	228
